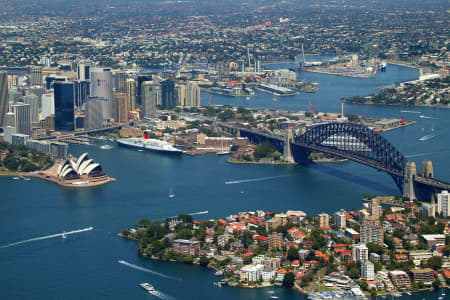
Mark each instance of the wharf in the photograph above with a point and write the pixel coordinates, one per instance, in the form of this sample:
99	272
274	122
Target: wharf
341	73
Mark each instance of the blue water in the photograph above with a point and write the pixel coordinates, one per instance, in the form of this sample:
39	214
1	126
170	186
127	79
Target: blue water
85	265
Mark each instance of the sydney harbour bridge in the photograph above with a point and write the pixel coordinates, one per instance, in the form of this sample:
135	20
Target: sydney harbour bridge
354	142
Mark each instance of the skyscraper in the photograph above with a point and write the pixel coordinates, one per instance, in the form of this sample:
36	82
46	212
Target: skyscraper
83	71
168	95
181	94
36	76
3	97
94	113
48	105
64	106
120	107
101	86
33	101
131	93
23	118
120	82
38	91
81	92
340	219
140	79
151	93
443	205
192	95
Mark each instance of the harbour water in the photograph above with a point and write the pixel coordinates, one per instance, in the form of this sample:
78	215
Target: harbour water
85	265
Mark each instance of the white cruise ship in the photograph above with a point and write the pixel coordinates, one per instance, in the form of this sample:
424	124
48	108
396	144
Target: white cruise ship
146	143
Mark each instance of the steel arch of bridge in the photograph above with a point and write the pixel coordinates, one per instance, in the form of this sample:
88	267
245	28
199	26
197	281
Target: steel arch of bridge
358	143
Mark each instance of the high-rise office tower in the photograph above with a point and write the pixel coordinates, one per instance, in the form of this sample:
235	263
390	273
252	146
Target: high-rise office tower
83	71
181	94
94	113
151	94
10	119
48	105
168	95
102	87
81	92
15	96
51	79
131	93
120	107
64	106
192	95
38	91
140	79
3	97
22	118
35	76
120	82
33	101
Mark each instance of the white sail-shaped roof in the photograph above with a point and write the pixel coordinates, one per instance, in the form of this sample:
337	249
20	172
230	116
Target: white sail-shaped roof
84	165
81	159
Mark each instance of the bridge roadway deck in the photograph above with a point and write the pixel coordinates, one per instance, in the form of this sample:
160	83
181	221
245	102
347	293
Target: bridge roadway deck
436	183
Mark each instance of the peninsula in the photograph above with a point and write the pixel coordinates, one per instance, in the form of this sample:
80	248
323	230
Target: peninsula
371	251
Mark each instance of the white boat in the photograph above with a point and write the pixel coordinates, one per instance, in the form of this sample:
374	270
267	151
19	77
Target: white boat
223	153
146	143
64	235
106	147
16	178
274	297
171	193
148	287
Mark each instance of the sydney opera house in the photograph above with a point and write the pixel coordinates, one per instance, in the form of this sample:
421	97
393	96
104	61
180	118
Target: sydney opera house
74	169
76	172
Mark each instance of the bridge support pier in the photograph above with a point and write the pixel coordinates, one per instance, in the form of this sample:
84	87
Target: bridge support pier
287	151
408	183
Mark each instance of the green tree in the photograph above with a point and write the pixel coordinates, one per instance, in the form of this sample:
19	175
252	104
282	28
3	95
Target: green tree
436	283
288	280
264	150
292	253
435	262
204	261
10	162
144	222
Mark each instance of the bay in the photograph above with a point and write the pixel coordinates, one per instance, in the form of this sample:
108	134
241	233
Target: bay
85	265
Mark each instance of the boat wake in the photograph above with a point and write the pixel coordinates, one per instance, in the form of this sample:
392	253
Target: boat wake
410	111
161	295
424	154
146	270
254	179
425	117
46	237
427	137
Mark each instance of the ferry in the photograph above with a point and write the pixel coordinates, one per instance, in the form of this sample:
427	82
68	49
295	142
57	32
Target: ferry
148	287
146	143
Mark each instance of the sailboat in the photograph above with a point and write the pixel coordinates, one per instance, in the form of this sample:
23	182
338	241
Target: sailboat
222	150
171	194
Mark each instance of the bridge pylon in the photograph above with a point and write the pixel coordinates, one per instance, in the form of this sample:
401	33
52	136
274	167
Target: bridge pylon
287	151
408	180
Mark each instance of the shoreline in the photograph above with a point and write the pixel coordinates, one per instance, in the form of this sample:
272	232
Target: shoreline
384	104
369	76
233	161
